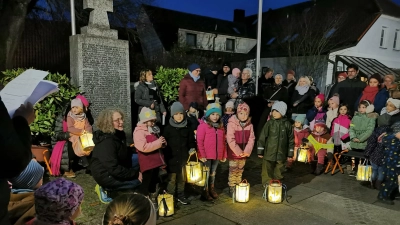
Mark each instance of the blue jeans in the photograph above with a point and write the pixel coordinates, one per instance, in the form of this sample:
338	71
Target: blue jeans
212	165
377	172
130	184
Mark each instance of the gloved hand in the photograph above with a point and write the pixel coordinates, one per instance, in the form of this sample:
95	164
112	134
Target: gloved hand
330	155
203	160
223	160
192	151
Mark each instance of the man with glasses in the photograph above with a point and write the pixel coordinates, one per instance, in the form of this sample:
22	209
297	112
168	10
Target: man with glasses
350	89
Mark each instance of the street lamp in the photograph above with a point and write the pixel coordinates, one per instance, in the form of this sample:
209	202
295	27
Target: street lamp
73	28
258	43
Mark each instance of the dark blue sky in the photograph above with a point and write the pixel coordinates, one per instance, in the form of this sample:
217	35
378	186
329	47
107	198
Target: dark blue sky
223	9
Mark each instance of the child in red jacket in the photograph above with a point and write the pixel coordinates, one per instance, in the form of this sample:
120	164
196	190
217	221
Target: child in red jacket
301	131
240	138
211	146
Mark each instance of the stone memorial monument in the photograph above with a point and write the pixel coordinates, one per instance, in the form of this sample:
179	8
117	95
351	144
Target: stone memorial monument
100	63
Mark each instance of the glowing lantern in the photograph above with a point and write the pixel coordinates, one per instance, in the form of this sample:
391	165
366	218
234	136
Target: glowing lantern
210	94
165	204
275	191
242	191
303	152
87	141
202	182
194	171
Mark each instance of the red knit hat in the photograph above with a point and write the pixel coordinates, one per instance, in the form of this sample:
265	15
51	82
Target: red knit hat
320	97
291	72
243	107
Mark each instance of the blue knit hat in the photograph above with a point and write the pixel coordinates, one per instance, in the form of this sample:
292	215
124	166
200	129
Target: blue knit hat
300	118
30	177
213	108
193	66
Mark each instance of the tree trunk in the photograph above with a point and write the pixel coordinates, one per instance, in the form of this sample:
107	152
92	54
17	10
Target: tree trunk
12	21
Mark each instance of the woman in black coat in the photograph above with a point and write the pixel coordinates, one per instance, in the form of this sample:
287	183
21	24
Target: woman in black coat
276	93
112	162
147	94
303	97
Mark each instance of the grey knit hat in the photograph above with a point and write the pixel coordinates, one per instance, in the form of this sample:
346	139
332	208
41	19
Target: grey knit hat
30	177
279	106
177	107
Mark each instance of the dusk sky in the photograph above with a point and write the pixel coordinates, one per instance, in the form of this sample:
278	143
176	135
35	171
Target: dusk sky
223	9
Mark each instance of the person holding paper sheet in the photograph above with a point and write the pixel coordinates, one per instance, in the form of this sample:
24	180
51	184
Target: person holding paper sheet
77	125
15	140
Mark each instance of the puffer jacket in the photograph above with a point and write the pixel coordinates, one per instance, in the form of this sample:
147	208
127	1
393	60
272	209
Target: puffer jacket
361	127
379	101
111	159
60	135
340	129
276	141
299	134
246	90
149	148
331	114
374	150
210	142
190	91
315	114
144	98
240	138
304	102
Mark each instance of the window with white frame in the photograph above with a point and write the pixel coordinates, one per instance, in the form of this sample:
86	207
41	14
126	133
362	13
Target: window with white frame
383	37
230	44
396	43
191	39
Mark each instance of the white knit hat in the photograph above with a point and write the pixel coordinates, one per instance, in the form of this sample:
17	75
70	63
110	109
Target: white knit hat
279	106
147	114
395	102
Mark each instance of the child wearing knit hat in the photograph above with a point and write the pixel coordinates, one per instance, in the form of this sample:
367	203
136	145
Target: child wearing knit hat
278	133
211	146
317	112
31	178
332	113
301	131
233	80
240	138
229	112
78	124
148	144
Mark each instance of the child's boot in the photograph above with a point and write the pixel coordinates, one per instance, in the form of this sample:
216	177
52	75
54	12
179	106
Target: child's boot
319	169
182	199
213	193
205	195
313	166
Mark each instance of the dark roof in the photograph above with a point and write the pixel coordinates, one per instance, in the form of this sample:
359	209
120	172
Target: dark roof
357	16
389	8
367	66
166	23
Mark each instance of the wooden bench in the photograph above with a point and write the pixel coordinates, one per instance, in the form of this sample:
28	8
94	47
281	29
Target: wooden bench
337	157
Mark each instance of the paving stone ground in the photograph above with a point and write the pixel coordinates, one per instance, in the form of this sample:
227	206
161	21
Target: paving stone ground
325	199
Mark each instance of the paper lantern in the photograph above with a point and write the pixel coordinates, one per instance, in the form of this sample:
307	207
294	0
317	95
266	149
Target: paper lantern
275	191
303	151
210	94
194	171
202	182
165	204
87	141
242	191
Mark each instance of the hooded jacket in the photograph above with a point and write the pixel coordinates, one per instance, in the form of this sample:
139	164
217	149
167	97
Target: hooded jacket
299	134
149	148
361	127
240	138
210	142
111	159
276	141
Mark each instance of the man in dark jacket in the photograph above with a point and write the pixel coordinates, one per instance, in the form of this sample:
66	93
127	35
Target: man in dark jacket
223	84
211	78
265	81
15	141
290	83
350	89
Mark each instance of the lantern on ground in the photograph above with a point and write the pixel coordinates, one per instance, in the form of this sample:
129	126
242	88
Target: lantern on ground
275	191
165	204
87	142
242	191
194	171
303	152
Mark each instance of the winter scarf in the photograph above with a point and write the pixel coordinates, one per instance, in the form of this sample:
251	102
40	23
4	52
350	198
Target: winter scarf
173	123
55	158
151	85
78	117
394	112
302	89
194	78
369	94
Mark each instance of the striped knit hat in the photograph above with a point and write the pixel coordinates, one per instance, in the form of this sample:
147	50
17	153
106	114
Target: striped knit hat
30	177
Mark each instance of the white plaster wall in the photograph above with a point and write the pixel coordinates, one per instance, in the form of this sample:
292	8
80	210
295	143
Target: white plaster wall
205	41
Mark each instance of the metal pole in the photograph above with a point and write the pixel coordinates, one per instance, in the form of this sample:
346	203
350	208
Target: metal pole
73	17
258	69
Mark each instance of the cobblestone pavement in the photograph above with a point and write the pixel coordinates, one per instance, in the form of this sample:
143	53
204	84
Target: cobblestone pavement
357	200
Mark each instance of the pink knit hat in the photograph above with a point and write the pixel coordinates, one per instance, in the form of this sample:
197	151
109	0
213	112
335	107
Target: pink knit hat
243	107
235	71
335	99
85	102
320	97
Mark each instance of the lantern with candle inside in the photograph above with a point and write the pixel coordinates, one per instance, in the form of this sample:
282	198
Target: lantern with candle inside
194	171
303	150
275	191
165	204
202	182
87	142
242	191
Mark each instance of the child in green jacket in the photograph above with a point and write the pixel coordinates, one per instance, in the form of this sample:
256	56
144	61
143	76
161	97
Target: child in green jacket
276	143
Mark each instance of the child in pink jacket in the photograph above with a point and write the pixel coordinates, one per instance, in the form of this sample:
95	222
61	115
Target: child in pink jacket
240	138
149	152
211	146
340	129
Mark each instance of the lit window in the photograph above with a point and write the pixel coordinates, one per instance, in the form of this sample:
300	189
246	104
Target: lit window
236	30
271	40
330	33
294	37
285	39
396	44
382	42
191	40
230	44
